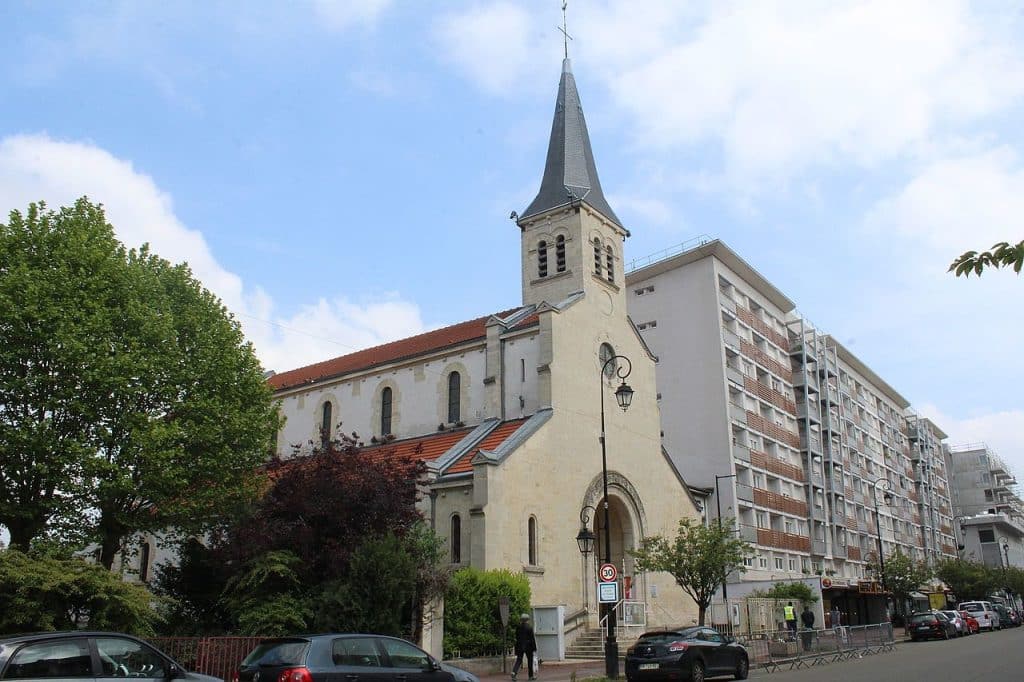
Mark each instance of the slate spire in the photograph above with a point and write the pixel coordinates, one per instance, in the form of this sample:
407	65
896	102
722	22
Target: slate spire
570	173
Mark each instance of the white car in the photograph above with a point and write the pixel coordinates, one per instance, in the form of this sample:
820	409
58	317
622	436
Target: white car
987	617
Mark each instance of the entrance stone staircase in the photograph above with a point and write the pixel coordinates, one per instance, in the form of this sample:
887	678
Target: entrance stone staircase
590	644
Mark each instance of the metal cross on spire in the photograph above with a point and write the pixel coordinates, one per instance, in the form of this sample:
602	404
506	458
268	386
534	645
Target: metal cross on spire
564	29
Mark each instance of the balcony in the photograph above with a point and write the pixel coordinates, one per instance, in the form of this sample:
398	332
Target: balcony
779	540
726	301
744	492
818	547
737	413
741	452
731	340
853	553
812	443
807	410
748	533
734	375
781	503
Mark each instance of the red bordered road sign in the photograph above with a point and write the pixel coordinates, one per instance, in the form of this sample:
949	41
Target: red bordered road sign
608	573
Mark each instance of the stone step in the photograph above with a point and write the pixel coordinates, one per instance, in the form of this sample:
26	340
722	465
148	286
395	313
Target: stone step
590	644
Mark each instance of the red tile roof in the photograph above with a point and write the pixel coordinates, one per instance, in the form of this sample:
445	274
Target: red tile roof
388	352
424	448
493	440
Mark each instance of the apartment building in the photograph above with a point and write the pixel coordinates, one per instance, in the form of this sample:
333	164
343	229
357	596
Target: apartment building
989	511
796	437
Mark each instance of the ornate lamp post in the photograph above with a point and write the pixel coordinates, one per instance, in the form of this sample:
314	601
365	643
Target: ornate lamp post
623	396
884	484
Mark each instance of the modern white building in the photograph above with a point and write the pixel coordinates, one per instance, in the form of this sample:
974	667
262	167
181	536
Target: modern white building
989	511
798	439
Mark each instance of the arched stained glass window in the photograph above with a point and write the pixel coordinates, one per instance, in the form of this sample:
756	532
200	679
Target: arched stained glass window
385	411
456	539
454	398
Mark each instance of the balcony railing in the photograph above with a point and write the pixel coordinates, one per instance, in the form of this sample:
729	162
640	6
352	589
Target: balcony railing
789	505
853	553
780	540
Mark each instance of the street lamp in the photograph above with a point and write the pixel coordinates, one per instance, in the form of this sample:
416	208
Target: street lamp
884	484
623	396
585	538
718	503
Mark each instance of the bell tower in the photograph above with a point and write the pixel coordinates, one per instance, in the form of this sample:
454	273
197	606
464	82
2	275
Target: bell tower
571	237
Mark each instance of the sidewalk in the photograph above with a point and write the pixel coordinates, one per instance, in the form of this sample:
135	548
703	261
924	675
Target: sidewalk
557	671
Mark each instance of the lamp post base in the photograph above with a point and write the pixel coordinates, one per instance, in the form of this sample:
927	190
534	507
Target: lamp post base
611	657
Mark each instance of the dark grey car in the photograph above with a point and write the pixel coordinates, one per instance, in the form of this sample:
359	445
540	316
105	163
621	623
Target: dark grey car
344	658
93	656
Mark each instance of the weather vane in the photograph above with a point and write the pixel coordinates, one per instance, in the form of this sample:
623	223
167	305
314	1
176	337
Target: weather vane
564	29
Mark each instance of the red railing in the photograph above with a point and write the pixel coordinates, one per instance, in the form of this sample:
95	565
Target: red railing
217	656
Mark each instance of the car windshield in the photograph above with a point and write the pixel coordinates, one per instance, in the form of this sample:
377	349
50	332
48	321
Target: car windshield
972	606
278	652
951	614
922	618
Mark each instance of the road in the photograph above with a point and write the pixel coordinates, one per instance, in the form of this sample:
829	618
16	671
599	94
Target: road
991	657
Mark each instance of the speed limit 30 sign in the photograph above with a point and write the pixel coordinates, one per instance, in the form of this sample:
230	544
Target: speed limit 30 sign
608	573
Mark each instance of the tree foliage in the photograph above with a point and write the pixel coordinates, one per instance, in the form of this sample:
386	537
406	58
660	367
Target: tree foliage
1000	255
129	399
63	593
902	575
788	591
967	579
472	618
699	558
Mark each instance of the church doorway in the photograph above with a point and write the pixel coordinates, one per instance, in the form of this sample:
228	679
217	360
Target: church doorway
624	537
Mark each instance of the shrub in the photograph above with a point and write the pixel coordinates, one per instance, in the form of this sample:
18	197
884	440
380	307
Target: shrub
472	620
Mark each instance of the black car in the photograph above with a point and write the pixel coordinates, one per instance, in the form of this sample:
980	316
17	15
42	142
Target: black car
930	624
93	656
693	653
344	658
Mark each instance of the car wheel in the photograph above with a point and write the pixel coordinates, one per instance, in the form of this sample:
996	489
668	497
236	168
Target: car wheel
913	639
742	668
945	633
697	672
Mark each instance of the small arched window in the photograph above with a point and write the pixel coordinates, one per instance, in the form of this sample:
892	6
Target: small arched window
560	253
326	425
385	411
454	397
456	539
542	259
531	528
597	256
610	260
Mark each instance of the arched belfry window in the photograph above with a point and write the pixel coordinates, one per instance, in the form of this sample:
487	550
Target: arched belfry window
542	259
560	253
454	397
455	538
597	256
385	411
604	354
531	533
610	259
326	425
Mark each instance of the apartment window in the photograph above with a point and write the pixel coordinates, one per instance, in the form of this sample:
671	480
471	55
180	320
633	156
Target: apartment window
762	562
560	254
385	411
542	259
454	397
792	564
455	537
778	563
988	496
748	562
762	520
987	535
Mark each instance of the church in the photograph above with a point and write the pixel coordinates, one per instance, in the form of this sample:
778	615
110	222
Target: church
508	410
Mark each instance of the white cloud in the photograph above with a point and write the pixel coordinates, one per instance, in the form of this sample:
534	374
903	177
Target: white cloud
340	15
956	204
495	46
999	430
37	167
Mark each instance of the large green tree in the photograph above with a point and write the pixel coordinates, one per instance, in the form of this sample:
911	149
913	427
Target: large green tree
129	399
1000	255
902	575
700	558
967	579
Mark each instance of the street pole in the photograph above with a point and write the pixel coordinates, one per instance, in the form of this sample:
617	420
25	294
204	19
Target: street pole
624	394
718	504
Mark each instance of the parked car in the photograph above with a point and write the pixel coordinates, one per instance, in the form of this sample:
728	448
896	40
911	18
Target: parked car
958	621
1006	616
79	655
987	617
972	622
692	653
329	658
930	625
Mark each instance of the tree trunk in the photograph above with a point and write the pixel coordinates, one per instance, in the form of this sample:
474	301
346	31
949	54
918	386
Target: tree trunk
701	612
111	537
22	533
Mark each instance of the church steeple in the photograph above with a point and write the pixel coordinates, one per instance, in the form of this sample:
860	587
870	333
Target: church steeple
570	174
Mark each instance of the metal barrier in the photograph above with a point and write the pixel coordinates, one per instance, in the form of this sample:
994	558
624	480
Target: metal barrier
216	656
771	649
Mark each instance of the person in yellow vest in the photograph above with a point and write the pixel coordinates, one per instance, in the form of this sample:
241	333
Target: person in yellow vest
790	614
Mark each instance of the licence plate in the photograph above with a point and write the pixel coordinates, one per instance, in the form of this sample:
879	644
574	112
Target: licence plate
648	666
924	627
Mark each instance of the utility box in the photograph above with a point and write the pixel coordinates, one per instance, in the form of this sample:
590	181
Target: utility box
549	629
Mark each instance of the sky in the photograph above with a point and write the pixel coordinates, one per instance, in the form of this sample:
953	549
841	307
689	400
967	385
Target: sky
341	173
